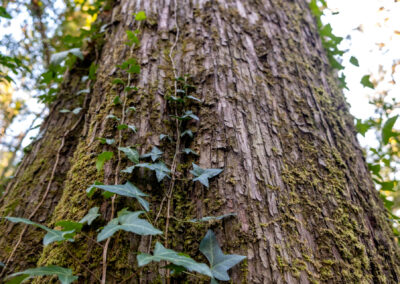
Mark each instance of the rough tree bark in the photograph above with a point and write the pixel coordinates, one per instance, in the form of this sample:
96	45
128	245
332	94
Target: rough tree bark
272	116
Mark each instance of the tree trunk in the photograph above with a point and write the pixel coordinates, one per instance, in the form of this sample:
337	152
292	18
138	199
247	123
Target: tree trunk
271	115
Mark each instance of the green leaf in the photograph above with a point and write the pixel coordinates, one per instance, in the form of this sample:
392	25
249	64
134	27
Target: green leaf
64	274
189	151
354	61
132	154
4	13
193	98
387	129
140	16
118	81
110	141
160	168
59	57
155	154
102	158
187	115
132	127
220	263
90	216
117	100
84	91
163	254
90	190
76	110
210	218
108	230
51	236
64	110
111	116
163	136
132	108
133	39
203	175
130	88
363	127
130	222
127	189
92	71
365	81
122	126
187	132
2	264
69	226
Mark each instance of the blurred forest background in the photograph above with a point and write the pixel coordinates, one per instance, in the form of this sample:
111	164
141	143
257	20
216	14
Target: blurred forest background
40	39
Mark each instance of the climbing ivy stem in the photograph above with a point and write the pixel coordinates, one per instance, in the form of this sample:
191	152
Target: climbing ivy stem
116	174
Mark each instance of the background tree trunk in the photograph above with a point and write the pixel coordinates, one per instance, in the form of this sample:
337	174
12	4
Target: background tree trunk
272	116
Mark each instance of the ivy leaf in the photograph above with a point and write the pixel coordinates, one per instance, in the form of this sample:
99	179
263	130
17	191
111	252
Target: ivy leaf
132	154
132	108
187	115
160	168
354	61
90	216
111	116
189	151
163	254
110	141
59	57
122	126
155	154
133	39
130	222
130	88
210	218
108	230
102	158
365	81
92	71
187	132
140	16
84	91
90	190
51	236
117	100
69	226
127	189
132	127
76	110
64	274
220	262
194	98
387	129
203	175
175	99
118	81
163	136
